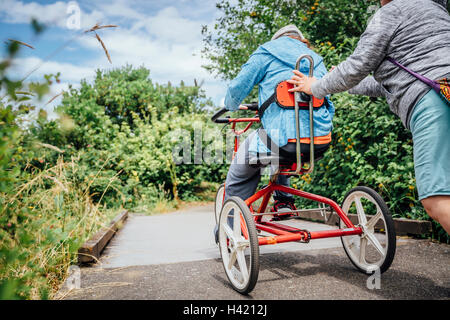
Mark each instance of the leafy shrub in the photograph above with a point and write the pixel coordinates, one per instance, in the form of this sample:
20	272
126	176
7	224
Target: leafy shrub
46	212
126	124
246	24
110	148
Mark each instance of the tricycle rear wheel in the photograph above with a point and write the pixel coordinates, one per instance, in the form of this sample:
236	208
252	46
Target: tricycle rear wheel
375	247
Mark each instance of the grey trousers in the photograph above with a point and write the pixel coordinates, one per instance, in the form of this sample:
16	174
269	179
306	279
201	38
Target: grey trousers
243	178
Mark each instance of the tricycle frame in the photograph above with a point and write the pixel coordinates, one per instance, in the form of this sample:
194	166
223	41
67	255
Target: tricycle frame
285	233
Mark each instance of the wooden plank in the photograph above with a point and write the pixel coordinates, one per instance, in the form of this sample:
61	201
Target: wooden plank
415	227
403	226
90	251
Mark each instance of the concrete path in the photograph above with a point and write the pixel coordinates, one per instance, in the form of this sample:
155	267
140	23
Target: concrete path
173	256
182	236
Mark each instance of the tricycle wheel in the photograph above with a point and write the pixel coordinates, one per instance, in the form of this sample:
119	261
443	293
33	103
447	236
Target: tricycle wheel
218	203
375	248
238	245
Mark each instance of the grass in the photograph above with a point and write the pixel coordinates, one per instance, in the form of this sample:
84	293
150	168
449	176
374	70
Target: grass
50	216
56	215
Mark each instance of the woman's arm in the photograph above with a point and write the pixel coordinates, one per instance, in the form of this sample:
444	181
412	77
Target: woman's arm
368	87
370	52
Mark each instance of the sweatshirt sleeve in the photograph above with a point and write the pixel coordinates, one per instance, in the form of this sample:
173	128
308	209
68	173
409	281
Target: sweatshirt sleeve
368	87
369	53
250	75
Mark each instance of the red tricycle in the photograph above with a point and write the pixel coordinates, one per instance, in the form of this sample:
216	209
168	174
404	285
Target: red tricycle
369	241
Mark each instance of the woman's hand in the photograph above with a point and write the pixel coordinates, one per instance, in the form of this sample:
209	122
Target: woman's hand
301	82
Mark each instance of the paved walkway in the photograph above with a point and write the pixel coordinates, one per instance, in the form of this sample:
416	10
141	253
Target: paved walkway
173	256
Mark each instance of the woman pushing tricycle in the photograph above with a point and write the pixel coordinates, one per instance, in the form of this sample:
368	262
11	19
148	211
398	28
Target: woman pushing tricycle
407	48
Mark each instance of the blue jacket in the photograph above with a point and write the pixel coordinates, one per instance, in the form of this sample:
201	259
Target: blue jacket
269	65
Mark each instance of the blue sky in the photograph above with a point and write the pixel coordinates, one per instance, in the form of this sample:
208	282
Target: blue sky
164	36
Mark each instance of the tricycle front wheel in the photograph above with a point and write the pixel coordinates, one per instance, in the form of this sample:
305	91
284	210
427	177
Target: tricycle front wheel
218	203
238	245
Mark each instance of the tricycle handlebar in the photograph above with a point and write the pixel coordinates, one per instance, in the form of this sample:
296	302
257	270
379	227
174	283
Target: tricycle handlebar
249	106
216	117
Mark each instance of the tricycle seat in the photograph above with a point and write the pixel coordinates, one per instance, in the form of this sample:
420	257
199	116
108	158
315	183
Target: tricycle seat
288	159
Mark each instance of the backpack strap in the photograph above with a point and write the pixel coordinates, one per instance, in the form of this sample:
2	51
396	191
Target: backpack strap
266	104
433	84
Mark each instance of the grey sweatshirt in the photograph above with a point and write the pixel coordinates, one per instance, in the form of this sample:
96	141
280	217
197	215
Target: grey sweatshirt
416	33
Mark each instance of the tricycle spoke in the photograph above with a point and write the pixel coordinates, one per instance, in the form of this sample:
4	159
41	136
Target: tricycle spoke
371	237
372	222
228	231
360	211
237	223
242	264
232	258
362	251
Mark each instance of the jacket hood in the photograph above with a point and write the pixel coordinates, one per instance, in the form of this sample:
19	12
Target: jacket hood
288	50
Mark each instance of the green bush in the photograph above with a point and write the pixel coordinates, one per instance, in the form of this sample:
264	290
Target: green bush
125	124
111	148
45	212
246	24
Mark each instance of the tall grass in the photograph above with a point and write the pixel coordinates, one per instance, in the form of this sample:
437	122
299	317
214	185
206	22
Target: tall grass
46	212
53	216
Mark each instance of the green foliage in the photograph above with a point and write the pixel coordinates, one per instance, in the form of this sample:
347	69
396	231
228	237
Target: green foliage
113	144
249	23
123	123
42	225
110	148
28	249
8	135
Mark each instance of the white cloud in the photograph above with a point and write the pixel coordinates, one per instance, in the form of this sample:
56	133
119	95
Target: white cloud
165	40
70	75
166	43
54	14
166	60
170	26
120	8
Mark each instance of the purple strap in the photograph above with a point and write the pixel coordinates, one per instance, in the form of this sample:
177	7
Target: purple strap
433	84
